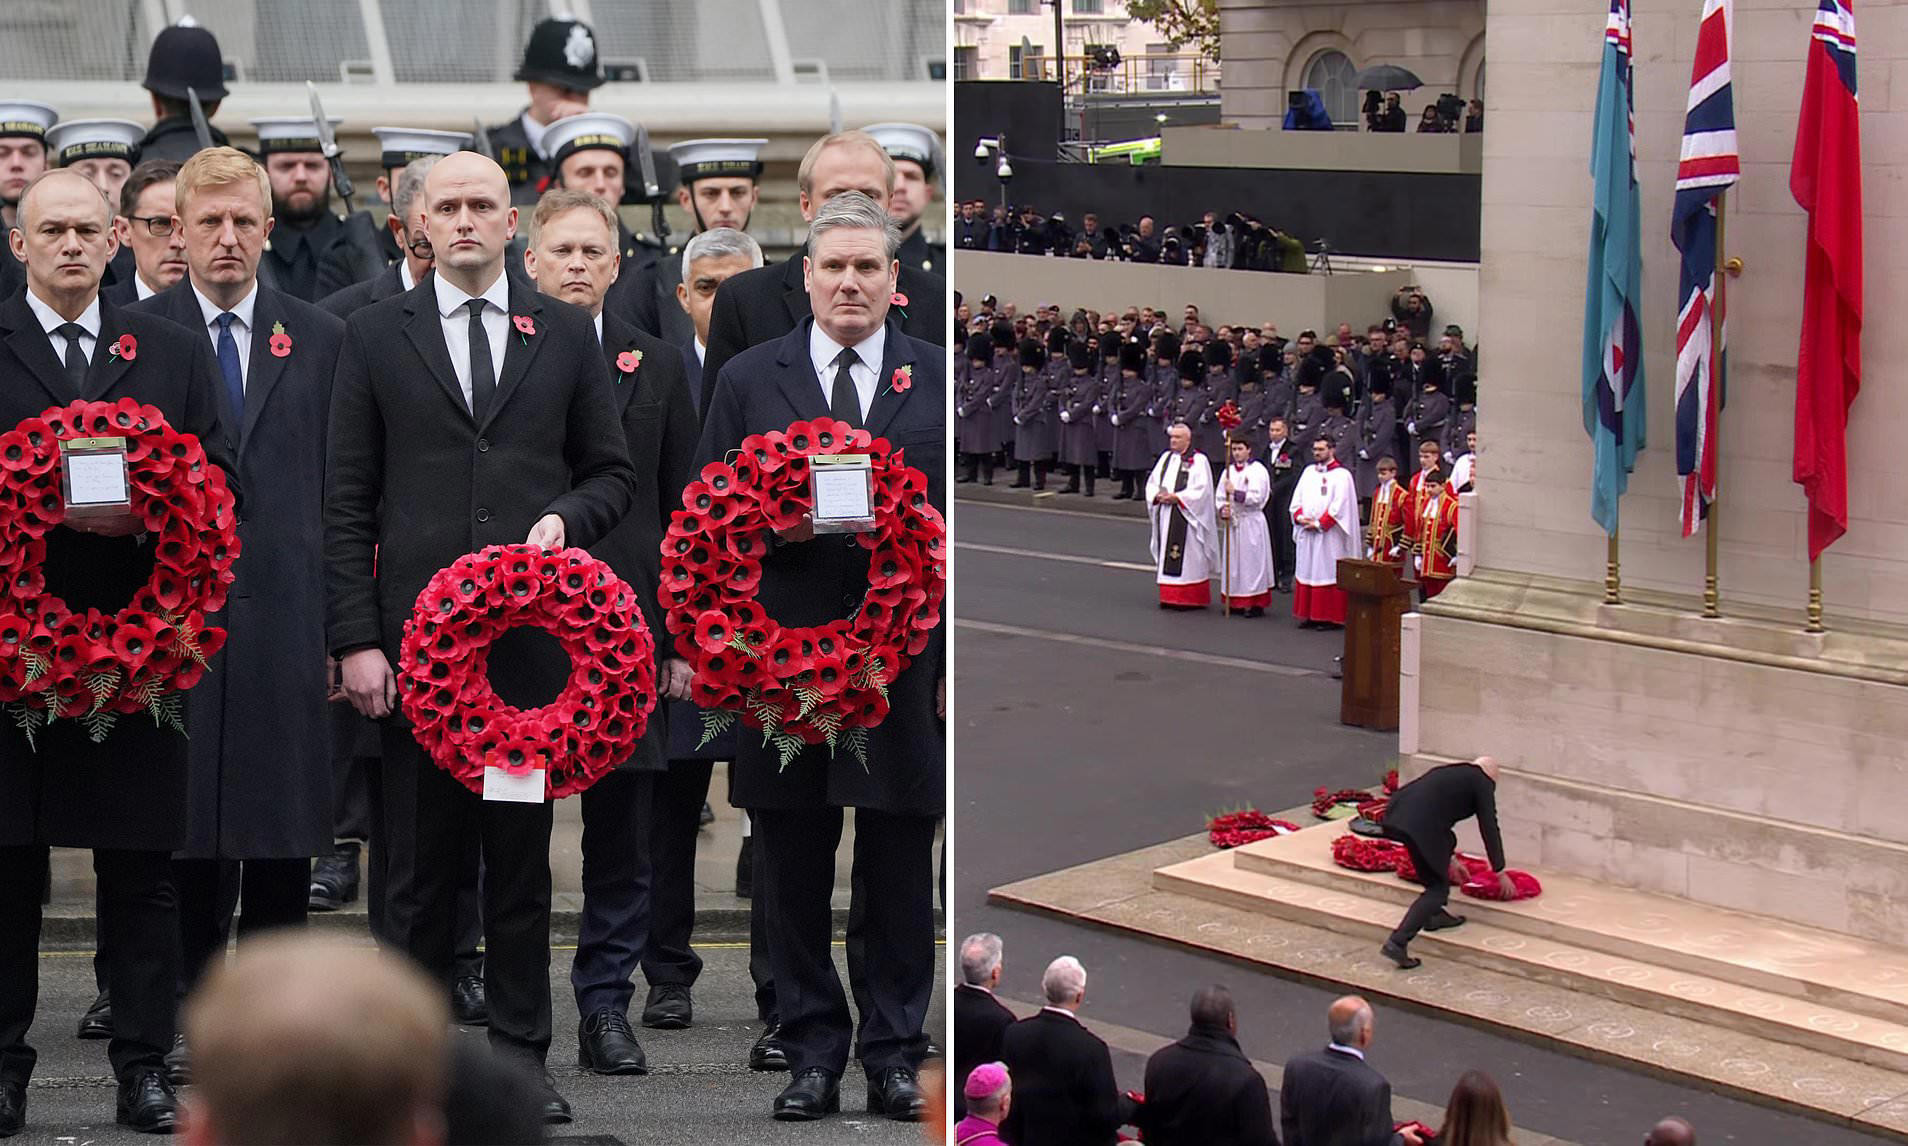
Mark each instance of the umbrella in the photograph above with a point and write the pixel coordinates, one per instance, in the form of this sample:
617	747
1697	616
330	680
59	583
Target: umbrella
1388	78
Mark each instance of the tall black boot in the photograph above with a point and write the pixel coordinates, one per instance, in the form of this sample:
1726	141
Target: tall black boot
1073	479
1040	476
970	468
1106	465
1021	482
987	469
1089	480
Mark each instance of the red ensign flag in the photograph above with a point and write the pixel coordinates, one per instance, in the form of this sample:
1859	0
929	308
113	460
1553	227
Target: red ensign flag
1826	179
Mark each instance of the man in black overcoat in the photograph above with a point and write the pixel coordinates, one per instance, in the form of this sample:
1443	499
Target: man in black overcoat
1332	1097
842	363
763	305
314	251
573	256
124	797
1285	464
1203	1090
1065	1093
979	1018
1421	816
468	412
259	793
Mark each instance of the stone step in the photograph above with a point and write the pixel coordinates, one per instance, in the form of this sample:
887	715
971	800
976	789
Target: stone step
1750	951
1496	945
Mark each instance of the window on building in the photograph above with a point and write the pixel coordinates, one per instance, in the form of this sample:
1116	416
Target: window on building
1162	68
1331	75
1023	63
1023	7
1089	7
966	62
1478	94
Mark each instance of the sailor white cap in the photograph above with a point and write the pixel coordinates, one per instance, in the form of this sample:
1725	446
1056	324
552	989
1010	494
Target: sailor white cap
78	139
909	141
23	117
592	129
400	145
705	158
288	133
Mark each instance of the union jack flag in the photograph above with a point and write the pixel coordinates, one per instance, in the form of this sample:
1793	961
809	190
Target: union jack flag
1709	166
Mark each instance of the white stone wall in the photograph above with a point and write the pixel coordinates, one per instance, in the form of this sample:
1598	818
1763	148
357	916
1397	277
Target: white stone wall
1535	230
1266	45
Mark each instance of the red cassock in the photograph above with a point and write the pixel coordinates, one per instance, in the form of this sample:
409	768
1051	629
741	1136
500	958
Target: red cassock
1390	518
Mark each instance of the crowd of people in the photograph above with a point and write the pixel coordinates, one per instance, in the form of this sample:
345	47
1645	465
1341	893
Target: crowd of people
1447	115
1047	1080
1234	241
500	361
1214	428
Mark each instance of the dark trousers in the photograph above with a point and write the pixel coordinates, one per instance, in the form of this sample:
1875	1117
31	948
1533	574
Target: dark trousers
391	797
614	930
670	959
1434	868
891	948
271	892
1278	518
138	931
438	831
354	775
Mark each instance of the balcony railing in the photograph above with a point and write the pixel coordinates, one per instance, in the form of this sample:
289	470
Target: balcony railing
1138	74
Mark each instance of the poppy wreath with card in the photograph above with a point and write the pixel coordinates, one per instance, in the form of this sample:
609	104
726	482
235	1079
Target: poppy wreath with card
58	663
824	684
443	667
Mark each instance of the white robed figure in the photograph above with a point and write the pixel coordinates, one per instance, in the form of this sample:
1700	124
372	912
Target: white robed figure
1325	528
1185	536
1244	488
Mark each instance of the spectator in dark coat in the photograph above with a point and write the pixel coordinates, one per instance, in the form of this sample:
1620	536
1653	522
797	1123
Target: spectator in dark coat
1064	1091
1202	1090
979	1018
1332	1097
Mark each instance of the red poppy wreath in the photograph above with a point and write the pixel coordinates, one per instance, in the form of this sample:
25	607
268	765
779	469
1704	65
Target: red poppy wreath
444	684
822	684
88	665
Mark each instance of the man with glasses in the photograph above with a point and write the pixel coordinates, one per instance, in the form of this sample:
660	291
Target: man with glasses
407	234
146	228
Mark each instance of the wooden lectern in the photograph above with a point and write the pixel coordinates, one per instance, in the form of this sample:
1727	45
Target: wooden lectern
1377	598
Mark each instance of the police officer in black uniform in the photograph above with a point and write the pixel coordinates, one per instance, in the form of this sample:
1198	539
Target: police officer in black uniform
561	68
916	152
313	251
184	57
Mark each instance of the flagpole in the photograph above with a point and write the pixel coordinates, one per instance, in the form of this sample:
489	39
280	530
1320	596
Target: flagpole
1712	598
1815	597
1612	578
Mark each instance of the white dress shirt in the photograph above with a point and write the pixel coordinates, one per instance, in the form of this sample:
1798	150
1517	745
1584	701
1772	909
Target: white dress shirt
51	321
1341	1048
702	354
404	273
456	321
599	327
534	132
241	327
140	290
823	350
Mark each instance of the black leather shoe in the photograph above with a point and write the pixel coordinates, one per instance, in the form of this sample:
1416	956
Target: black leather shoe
606	1045
334	878
767	1053
1397	955
468	1006
897	1095
669	1008
97	1022
814	1094
1444	921
745	868
12	1108
556	1109
706	816
147	1103
178	1062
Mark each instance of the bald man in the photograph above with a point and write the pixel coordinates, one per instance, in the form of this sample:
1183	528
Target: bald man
1333	1095
510	433
125	796
1422	816
1671	1132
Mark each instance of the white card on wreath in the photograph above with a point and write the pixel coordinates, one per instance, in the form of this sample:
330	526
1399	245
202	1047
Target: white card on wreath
502	786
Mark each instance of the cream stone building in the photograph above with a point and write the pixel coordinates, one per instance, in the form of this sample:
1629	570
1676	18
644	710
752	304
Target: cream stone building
992	36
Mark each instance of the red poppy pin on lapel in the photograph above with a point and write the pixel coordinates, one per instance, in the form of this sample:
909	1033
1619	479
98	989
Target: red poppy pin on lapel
897	299
281	342
127	347
628	361
525	325
903	378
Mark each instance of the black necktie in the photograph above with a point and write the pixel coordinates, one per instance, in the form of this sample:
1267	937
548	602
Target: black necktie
483	373
75	357
844	405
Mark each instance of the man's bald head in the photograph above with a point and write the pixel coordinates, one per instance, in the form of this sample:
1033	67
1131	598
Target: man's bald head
1671	1132
68	188
465	165
1350	1020
1487	765
469	219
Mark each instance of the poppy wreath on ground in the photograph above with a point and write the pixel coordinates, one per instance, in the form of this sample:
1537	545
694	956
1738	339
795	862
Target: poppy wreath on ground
824	684
1374	810
1324	801
1248	826
1361	854
444	683
87	665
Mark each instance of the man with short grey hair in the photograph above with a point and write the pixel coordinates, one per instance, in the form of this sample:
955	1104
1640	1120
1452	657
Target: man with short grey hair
979	1018
849	360
1064	1089
1202	1090
406	228
1333	1095
711	259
